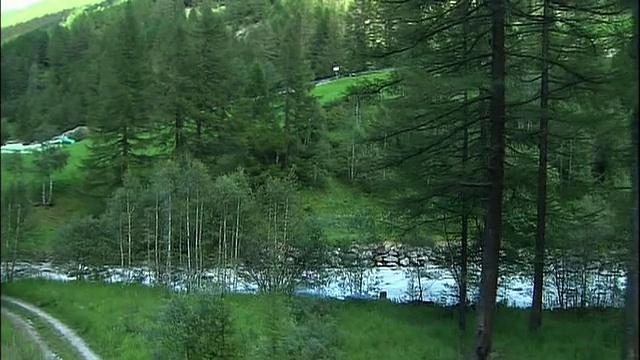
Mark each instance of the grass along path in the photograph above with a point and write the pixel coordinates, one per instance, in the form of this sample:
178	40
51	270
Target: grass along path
116	319
55	342
64	340
20	341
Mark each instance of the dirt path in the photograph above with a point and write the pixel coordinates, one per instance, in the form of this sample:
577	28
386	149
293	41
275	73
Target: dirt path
22	325
65	331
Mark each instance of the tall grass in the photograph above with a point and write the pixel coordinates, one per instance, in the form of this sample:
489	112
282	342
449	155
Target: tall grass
16	345
114	320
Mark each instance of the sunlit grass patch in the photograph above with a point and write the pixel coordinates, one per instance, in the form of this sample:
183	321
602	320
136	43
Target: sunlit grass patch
44	7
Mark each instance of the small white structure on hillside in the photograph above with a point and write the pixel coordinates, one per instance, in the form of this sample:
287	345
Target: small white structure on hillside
20	148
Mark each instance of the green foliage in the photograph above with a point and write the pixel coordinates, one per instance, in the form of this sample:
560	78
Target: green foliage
123	108
47	161
178	100
299	330
6	133
284	245
34	11
83	241
195	326
116	319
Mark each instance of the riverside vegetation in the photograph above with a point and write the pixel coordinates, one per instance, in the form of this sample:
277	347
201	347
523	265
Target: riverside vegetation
496	137
123	322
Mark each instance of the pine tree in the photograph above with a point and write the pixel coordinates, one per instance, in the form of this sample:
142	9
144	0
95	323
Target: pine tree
359	34
173	64
433	135
325	43
121	138
213	80
295	77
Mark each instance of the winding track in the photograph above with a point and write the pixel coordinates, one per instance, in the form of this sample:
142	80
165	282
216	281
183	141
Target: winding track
68	334
31	333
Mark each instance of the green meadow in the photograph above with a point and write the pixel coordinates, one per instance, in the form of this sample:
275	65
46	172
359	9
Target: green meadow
116	321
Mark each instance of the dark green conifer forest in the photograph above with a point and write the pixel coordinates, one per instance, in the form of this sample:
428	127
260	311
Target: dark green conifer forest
268	139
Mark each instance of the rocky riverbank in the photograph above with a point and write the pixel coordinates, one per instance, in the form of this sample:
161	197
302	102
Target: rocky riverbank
388	254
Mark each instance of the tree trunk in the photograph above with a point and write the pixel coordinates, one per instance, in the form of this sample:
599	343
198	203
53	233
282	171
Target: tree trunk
16	241
464	217
121	241
169	237
535	320
149	235
464	259
224	244
631	303
236	246
493	231
287	127
631	338
181	239
50	201
201	256
156	236
44	193
196	239
356	126
221	268
188	234
7	238
130	210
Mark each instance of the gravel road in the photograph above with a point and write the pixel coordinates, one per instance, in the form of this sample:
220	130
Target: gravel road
28	330
64	330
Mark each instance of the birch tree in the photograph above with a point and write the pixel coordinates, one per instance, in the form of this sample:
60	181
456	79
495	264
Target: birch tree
47	161
193	195
125	214
162	187
286	250
15	210
84	241
234	206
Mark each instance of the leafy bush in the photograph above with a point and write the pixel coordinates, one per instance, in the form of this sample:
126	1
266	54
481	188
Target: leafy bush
195	326
299	329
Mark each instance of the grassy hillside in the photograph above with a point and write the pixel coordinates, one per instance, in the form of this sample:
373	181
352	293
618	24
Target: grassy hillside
45	7
336	206
14	31
339	87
